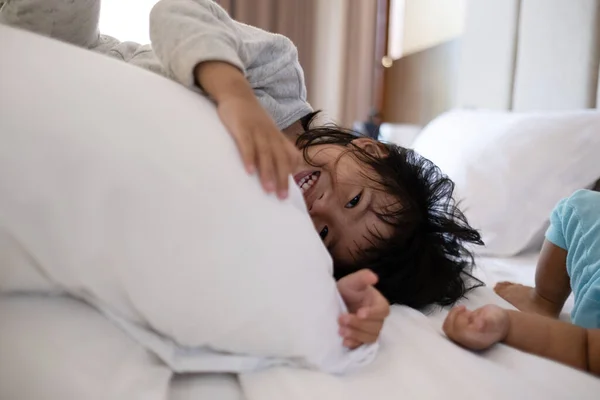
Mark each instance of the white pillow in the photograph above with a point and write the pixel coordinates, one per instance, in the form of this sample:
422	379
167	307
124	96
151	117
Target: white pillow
510	169
56	348
127	191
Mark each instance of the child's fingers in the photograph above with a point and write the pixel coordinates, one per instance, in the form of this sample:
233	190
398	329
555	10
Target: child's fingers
449	322
368	326
462	321
458	324
477	320
365	314
265	162
283	170
479	324
245	146
378	311
352	344
359	336
360	281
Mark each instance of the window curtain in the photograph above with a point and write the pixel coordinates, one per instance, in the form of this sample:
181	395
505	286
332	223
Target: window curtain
359	94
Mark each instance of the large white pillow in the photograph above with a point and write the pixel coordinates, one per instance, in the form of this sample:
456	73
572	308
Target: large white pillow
510	169
57	348
125	189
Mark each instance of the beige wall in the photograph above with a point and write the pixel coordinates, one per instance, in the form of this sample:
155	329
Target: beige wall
420	86
423	82
419	24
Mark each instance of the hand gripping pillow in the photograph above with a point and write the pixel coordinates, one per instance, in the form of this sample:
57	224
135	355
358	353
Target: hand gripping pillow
123	188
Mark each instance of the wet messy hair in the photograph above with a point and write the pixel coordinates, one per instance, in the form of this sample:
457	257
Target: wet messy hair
426	260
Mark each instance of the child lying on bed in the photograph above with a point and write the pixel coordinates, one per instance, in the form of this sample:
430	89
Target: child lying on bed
569	261
373	205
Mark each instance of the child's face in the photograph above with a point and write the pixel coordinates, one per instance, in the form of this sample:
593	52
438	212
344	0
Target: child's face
342	199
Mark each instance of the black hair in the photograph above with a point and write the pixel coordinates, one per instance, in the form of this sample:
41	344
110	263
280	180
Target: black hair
426	261
308	119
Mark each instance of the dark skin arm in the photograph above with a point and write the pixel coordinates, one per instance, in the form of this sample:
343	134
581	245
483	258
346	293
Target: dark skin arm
552	281
552	285
566	343
556	340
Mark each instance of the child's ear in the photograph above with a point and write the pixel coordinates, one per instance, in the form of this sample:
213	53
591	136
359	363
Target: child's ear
371	147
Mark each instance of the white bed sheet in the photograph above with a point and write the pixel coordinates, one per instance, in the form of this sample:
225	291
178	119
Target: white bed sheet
416	361
519	269
415	364
58	348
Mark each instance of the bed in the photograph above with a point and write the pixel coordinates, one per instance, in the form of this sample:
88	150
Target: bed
516	56
415	360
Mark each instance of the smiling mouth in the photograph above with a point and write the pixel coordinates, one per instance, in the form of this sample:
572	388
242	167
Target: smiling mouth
307	182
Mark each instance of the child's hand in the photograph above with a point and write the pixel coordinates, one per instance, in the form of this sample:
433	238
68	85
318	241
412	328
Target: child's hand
479	329
262	145
367	308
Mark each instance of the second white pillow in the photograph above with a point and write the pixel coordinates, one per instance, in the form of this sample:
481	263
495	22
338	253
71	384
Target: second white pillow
510	169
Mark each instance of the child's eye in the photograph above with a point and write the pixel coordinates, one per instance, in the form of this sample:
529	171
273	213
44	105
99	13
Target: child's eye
352	203
324	232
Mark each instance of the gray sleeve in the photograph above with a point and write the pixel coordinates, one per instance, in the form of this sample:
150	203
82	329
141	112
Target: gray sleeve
75	22
185	33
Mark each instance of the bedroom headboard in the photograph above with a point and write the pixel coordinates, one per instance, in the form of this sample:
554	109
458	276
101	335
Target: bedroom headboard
526	55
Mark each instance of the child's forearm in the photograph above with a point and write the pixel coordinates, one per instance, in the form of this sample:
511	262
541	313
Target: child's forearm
552	281
556	340
221	80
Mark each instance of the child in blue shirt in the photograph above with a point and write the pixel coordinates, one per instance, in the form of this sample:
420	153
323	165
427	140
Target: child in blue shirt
569	261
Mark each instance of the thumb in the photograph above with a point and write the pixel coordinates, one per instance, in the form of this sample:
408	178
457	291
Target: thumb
361	280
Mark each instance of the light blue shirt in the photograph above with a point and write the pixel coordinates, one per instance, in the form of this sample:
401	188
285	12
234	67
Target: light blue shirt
575	227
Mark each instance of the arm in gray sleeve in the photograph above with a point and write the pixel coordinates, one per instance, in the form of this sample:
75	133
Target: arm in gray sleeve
185	33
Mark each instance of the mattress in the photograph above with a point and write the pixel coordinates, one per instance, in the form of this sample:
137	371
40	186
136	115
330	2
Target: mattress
416	360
